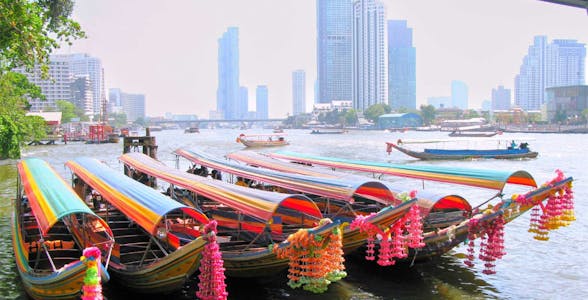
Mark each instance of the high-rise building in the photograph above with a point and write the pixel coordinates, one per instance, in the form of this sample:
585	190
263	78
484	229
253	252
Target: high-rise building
114	100
401	66
243	104
459	94
560	63
334	44
500	98
83	64
227	94
133	106
369	82
56	87
568	61
82	93
298	92
261	102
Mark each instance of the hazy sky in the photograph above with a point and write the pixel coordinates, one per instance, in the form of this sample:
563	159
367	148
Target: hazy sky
167	50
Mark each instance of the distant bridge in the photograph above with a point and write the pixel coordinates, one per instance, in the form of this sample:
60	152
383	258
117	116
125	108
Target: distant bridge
197	122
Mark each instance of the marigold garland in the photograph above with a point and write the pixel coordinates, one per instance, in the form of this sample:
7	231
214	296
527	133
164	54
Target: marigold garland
211	285
557	212
314	261
92	289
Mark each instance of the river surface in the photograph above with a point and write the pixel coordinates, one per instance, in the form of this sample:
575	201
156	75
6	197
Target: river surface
556	269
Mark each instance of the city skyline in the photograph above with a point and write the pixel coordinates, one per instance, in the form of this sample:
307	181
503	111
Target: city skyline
169	53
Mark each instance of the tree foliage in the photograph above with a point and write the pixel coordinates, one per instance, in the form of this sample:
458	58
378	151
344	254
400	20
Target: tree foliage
15	126
428	114
118	120
373	112
29	31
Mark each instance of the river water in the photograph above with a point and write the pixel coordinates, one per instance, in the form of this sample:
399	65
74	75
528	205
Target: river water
531	269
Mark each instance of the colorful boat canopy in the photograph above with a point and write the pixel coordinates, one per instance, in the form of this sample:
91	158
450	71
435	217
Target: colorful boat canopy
256	203
426	199
334	187
49	196
140	203
491	179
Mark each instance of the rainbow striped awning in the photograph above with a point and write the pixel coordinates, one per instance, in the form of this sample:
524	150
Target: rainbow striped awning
491	179
426	199
49	196
140	203
342	188
255	203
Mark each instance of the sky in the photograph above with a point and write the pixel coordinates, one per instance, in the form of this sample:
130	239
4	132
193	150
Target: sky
167	50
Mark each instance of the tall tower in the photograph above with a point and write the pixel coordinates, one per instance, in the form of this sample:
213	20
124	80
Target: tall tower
261	102
227	94
243	106
500	98
530	82
370	81
401	66
459	94
298	92
333	53
569	63
84	64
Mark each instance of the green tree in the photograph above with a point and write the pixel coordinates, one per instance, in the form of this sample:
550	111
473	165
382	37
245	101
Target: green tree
350	117
428	114
118	120
15	126
67	109
29	31
373	112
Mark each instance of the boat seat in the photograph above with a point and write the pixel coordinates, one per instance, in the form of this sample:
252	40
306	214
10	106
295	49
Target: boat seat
34	246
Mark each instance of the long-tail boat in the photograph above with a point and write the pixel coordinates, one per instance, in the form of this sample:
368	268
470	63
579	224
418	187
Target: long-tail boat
339	198
509	152
46	212
254	225
157	240
475	222
262	140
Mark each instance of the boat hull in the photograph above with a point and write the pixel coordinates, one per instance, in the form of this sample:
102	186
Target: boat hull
166	275
434	154
253	144
65	283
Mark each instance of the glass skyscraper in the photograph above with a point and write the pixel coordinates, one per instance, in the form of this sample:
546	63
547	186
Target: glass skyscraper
334	24
459	94
227	94
261	102
560	63
298	92
243	106
401	66
369	82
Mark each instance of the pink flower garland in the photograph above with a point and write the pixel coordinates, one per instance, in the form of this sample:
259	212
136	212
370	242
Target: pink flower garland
212	278
491	244
557	212
394	242
92	289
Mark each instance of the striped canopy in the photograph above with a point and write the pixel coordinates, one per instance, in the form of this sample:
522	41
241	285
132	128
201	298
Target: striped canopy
333	187
49	196
426	199
140	203
491	179
256	203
